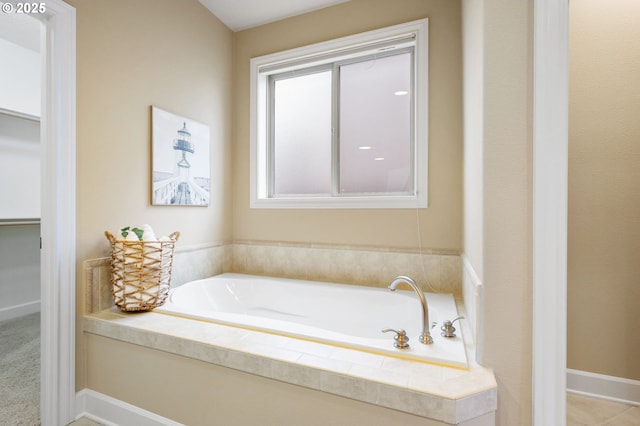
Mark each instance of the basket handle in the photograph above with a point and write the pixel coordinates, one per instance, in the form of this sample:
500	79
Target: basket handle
110	237
174	236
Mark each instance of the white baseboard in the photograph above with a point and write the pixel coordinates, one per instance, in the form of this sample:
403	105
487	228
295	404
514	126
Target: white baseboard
16	311
113	412
601	386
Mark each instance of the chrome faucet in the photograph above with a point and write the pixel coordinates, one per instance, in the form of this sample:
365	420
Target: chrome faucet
425	337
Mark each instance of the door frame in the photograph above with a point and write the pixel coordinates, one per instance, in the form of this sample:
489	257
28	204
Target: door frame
58	214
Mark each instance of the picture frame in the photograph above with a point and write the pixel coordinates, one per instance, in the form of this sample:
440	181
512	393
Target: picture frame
180	160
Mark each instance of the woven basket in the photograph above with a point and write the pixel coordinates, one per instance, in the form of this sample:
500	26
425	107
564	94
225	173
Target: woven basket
141	272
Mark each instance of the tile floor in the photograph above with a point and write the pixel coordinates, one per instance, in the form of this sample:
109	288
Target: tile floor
585	411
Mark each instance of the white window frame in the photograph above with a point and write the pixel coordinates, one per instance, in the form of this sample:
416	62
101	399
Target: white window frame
416	33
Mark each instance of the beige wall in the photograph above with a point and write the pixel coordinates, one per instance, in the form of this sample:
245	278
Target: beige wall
174	54
498	222
604	198
440	224
130	55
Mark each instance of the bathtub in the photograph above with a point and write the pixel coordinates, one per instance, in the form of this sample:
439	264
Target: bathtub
337	314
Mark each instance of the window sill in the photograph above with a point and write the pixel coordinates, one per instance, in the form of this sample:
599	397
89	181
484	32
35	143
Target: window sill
380	202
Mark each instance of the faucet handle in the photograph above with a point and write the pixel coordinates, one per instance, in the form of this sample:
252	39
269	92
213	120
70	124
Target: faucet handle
401	338
448	330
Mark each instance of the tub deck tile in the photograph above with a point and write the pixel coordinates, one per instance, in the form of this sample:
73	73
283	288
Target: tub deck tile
310	348
357	357
395	378
324	363
431	391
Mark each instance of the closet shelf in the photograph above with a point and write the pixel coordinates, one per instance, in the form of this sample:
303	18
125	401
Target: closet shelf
18	114
16	222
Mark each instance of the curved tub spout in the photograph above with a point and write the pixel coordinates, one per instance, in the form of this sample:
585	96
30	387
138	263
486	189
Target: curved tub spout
425	337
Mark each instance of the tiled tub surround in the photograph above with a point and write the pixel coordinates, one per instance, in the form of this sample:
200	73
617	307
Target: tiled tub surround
440	395
434	271
189	263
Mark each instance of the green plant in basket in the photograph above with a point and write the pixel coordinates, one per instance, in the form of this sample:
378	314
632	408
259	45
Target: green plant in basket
125	231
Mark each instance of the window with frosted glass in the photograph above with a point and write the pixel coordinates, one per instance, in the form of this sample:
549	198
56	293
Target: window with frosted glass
301	162
343	129
342	123
375	126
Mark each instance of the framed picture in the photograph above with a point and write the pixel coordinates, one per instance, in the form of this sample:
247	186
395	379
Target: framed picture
180	164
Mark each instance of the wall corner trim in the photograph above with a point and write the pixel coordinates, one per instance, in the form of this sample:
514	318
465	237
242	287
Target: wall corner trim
472	290
550	171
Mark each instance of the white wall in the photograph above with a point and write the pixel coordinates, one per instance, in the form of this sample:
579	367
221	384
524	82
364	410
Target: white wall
19	46
20	82
19	168
19	270
19	165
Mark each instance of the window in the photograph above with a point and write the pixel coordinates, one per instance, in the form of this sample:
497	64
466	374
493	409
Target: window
342	124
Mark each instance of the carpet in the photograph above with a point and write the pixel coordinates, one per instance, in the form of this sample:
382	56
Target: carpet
20	371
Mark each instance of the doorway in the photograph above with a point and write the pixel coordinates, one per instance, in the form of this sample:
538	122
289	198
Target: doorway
58	219
20	109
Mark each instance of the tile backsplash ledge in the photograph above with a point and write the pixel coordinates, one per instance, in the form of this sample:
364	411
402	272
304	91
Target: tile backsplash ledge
435	271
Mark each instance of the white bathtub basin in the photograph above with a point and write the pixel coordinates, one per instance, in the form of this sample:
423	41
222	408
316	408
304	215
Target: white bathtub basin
338	314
